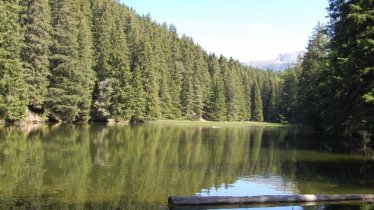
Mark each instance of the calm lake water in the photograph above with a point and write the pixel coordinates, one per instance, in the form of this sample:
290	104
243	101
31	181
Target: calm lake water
138	167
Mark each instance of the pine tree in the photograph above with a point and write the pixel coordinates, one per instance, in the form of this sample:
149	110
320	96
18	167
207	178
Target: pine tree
218	103
310	87
201	83
247	95
63	97
177	67
187	88
163	50
13	87
230	90
238	85
257	112
216	109
147	66
273	110
35	53
138	101
288	98
85	60
113	90
70	80
351	101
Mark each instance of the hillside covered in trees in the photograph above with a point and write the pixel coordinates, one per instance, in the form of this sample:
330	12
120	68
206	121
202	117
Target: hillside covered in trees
81	60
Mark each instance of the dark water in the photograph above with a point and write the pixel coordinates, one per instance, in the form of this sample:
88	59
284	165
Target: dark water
138	167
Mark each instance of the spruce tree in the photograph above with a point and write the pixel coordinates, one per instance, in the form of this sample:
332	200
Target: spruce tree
177	67
201	83
188	77
230	89
216	109
70	80
350	104
257	111
63	98
147	66
164	66
288	99
247	95
238	86
85	60
35	53
310	87
13	87
137	99
113	90
273	110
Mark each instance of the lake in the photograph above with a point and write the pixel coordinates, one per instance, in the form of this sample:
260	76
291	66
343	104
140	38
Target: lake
99	166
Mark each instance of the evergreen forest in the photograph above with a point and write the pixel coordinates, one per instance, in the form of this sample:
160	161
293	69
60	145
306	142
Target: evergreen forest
98	60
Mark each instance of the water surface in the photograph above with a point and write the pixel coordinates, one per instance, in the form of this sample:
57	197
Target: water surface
137	167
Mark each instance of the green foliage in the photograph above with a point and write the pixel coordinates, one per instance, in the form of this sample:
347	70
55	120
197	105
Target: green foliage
113	88
288	98
71	84
99	60
35	53
85	61
311	86
146	65
230	92
216	110
332	88
352	65
257	111
13	87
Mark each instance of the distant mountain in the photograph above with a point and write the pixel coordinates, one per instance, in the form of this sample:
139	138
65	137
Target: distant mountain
280	63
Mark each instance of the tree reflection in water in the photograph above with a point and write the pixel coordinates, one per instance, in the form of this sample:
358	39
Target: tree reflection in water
138	167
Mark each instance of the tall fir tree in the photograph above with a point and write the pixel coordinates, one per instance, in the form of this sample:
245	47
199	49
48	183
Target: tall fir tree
273	108
310	89
13	87
288	98
113	90
201	83
162	53
69	78
147	66
247	91
133	30
85	60
217	104
36	22
351	100
238	86
177	68
257	109
187	86
230	89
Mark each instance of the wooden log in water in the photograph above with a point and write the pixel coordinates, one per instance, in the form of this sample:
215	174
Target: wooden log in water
224	200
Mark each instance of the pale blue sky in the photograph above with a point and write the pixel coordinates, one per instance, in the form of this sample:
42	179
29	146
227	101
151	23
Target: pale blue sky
243	29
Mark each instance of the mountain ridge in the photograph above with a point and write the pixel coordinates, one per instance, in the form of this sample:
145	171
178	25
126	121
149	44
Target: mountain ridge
280	63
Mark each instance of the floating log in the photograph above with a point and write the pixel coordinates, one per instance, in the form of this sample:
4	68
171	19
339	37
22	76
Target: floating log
232	200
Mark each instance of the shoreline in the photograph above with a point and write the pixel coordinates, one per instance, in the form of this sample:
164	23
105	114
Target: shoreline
178	122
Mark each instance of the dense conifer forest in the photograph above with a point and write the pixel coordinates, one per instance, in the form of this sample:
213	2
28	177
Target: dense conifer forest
98	60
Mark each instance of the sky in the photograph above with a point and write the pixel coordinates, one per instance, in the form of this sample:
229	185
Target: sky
247	30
